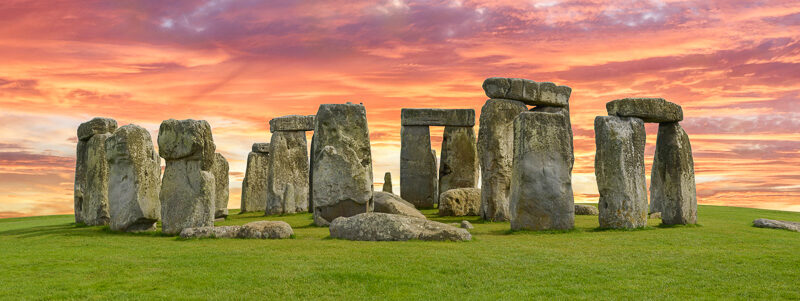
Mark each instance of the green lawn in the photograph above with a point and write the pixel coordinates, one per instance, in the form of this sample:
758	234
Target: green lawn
49	257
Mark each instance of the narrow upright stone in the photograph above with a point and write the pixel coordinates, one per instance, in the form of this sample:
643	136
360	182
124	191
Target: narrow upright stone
496	152
222	189
672	189
541	183
254	185
647	109
134	180
458	167
387	182
342	162
417	169
287	188
434	170
91	172
619	169
188	187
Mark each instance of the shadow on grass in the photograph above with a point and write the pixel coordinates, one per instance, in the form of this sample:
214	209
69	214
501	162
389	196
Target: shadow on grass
62	229
663	226
645	228
158	233
535	232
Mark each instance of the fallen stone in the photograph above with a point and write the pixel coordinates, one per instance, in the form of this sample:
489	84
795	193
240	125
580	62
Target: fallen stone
220	171
386	202
459	166
496	152
387	182
287	189
776	224
586	210
647	109
97	125
186	139
211	232
418	175
266	230
134	180
261	148
527	91
437	117
292	123
460	202
541	183
619	169
672	185
342	174
655	215
467	225
254	185
375	226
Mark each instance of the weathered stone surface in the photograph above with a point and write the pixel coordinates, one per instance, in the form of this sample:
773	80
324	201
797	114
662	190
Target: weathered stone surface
496	152
527	91
434	170
311	174
459	166
386	202
287	188
186	139
619	169
292	123
672	189
467	225
460	202
654	215
647	109
418	179
266	230
97	125
437	117
541	182
93	203
376	226
564	111
776	224
211	232
586	210
342	157
387	182
261	148
80	180
254	185
134	180
220	171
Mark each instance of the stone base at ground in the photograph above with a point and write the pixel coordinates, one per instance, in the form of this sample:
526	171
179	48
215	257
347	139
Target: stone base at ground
460	202
259	230
391	227
211	232
586	210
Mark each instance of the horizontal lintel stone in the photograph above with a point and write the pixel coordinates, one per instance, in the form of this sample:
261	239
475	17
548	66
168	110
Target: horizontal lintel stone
261	147
438	117
292	123
647	109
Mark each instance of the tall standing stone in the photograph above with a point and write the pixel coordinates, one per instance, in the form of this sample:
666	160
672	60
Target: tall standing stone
541	183
342	162
458	167
496	153
254	185
222	186
188	187
417	168
672	187
91	172
387	182
434	170
287	190
619	169
134	180
311	173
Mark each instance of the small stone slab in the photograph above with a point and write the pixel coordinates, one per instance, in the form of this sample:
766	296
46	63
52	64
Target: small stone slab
460	202
527	91
374	226
266	230
292	123
438	117
586	210
261	148
647	109
211	232
386	202
776	224
97	125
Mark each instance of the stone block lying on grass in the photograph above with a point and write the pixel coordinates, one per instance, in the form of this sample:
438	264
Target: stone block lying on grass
259	229
586	210
386	202
776	224
375	226
460	202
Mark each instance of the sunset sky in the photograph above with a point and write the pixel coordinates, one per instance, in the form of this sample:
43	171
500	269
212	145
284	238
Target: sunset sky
734	67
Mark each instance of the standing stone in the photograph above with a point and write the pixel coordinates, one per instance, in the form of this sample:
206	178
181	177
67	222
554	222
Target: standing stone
619	168
221	189
287	189
672	187
311	174
134	180
496	152
541	183
434	170
458	167
91	172
387	182
188	187
342	162
254	185
417	178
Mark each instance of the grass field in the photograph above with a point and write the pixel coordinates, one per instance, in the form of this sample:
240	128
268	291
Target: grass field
49	257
